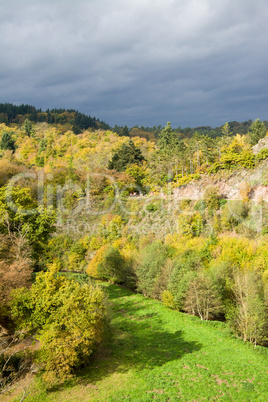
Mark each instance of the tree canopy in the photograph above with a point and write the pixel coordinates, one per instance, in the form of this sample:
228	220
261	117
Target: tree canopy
127	155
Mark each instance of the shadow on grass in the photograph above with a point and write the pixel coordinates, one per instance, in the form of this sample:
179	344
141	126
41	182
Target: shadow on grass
139	341
116	291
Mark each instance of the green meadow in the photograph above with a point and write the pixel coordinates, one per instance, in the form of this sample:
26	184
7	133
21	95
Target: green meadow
159	354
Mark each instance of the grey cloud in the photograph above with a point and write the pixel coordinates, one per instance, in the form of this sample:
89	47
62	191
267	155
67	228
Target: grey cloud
138	62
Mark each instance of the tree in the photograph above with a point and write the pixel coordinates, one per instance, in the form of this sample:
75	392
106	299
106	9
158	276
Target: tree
249	318
168	141
125	132
15	271
7	142
128	154
109	264
67	318
28	128
203	298
21	216
212	197
257	131
151	260
226	134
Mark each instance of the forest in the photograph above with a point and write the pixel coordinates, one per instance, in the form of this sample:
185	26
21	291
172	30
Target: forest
85	207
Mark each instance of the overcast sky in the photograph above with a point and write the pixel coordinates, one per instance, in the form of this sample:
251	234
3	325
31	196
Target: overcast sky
145	62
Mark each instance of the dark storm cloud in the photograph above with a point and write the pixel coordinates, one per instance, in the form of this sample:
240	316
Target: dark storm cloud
191	62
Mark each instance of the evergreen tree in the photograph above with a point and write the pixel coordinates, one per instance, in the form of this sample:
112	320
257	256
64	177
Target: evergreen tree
169	143
128	154
7	142
226	134
28	128
125	132
257	131
167	138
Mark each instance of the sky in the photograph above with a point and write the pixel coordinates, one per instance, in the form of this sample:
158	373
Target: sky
138	62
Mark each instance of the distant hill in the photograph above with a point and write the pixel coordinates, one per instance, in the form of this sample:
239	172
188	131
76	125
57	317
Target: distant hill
77	121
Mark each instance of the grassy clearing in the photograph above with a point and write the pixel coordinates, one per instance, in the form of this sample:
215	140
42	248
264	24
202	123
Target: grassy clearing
157	353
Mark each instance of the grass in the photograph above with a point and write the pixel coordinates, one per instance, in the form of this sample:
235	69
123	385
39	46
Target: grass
164	355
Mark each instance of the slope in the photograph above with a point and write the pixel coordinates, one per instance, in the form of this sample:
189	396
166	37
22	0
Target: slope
160	354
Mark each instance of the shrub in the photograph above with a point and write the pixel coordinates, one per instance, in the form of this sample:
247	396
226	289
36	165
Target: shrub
263	154
186	179
190	224
108	264
68	320
203	297
168	299
234	212
149	267
249	318
185	269
212	198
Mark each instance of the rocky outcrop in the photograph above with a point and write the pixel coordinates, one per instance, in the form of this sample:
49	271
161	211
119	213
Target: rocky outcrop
229	185
263	143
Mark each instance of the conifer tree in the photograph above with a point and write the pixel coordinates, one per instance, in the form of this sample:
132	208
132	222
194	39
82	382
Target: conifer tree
7	142
128	154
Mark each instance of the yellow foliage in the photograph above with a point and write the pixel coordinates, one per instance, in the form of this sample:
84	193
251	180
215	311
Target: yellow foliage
92	269
182	243
239	252
244	190
168	299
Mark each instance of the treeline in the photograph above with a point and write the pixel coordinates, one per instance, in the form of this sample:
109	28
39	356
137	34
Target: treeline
76	121
153	133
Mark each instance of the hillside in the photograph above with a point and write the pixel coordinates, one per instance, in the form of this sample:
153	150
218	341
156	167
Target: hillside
229	185
160	354
182	222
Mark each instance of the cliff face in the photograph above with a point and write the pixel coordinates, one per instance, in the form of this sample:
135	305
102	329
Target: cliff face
229	184
263	143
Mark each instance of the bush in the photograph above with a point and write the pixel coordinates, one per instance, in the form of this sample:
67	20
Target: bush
168	299
108	264
68	319
185	269
263	154
212	198
149	268
248	317
234	212
203	298
190	224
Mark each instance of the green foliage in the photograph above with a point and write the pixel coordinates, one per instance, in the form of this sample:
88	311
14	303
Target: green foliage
257	131
109	264
212	198
190	223
19	213
128	154
139	174
185	269
68	320
150	262
263	154
28	128
168	299
168	141
162	354
181	181
203	297
152	207
249	317
112	266
234	212
7	142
